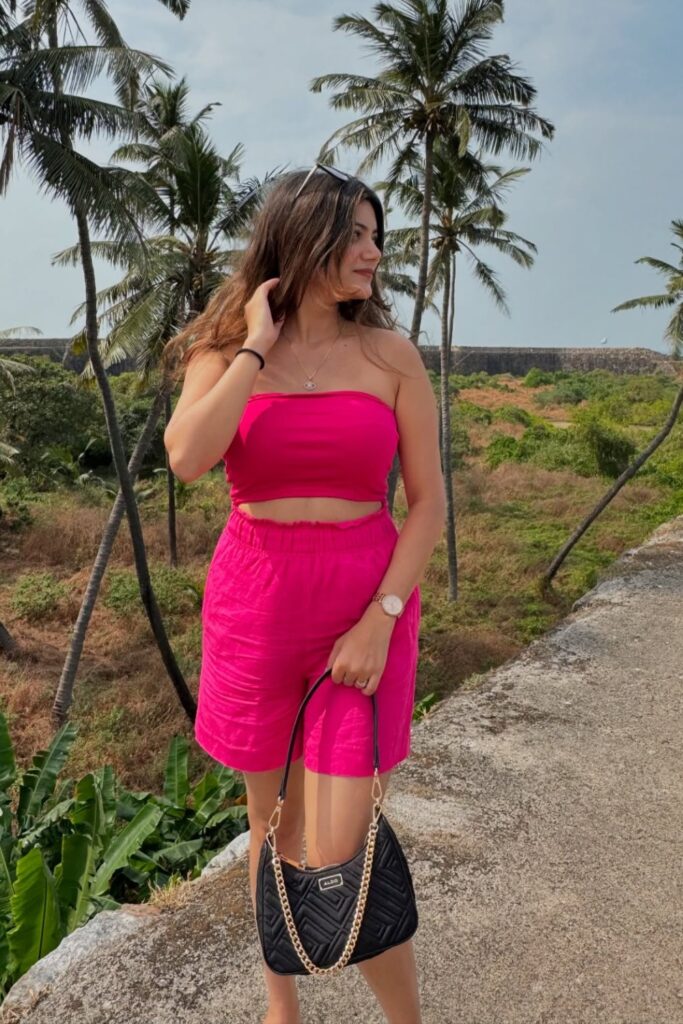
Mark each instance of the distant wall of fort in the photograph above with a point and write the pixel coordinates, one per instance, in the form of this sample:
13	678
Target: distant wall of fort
518	361
465	359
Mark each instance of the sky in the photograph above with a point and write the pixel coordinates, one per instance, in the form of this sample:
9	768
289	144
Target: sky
600	195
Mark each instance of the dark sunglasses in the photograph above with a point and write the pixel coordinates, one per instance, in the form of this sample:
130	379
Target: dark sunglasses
333	171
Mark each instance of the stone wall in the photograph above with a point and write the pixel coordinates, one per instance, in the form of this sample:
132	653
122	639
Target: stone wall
55	349
518	361
465	359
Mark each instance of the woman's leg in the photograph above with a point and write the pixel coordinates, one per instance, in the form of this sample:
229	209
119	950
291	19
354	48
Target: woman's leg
262	791
338	812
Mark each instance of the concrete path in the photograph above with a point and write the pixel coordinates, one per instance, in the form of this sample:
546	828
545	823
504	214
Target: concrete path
542	816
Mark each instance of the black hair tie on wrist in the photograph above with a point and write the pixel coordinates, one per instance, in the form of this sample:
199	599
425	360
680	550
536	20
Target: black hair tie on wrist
253	350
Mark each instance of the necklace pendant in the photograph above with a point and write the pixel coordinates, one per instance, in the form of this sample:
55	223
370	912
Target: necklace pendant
310	385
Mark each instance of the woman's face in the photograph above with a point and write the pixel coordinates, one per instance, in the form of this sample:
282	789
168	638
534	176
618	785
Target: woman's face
358	265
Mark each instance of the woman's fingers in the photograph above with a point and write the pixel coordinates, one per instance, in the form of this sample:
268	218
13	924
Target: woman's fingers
369	687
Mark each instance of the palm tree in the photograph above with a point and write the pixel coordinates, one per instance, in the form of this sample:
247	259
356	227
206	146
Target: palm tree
466	216
40	118
161	149
434	84
673	334
160	146
673	296
165	287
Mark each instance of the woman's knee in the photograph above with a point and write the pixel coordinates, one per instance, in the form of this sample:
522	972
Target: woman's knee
262	793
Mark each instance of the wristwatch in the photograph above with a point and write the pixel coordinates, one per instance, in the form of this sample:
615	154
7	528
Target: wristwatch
392	604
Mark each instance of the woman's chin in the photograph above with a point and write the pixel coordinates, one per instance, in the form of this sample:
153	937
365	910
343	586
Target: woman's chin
361	291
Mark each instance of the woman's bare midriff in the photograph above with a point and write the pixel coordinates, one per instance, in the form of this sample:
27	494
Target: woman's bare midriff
289	510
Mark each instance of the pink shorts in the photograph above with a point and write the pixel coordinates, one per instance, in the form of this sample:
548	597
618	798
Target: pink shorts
277	597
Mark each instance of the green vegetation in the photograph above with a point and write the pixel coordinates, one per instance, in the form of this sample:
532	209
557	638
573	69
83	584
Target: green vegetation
614	418
36	595
55	419
70	849
175	589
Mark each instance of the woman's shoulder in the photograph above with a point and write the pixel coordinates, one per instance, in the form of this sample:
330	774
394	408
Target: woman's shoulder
396	347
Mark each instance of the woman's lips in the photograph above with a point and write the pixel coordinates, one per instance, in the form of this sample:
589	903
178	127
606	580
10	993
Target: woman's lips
365	273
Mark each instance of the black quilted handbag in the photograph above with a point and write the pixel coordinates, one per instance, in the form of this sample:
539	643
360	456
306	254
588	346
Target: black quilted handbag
318	920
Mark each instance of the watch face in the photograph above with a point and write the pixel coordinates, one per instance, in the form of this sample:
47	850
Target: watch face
392	603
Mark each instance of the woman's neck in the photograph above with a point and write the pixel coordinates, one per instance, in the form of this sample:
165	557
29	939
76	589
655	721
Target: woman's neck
313	326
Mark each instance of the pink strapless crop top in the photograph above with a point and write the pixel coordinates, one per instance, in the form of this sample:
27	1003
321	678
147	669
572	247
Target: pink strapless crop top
336	444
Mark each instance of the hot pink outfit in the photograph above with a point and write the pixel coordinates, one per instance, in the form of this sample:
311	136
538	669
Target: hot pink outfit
279	594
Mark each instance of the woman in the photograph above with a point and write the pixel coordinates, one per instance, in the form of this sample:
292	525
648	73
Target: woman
310	571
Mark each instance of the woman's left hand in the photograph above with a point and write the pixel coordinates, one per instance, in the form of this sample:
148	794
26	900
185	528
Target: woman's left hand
361	653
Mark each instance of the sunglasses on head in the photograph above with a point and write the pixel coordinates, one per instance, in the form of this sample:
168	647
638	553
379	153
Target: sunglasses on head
333	171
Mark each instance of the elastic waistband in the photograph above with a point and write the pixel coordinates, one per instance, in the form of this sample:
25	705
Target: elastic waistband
311	535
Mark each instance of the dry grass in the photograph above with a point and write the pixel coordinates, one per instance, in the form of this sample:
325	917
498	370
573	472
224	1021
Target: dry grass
519	395
509	522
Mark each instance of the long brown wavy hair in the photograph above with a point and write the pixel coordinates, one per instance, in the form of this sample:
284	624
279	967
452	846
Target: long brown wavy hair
290	240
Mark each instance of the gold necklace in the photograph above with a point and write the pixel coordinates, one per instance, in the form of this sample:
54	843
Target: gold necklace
310	384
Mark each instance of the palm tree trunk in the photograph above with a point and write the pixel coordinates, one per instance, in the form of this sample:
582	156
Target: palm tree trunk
424	241
64	694
8	645
420	290
116	444
445	420
392	482
614	489
147	594
170	488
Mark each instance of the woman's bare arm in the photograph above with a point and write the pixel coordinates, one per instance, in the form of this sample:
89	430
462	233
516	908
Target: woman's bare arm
208	412
418	450
213	398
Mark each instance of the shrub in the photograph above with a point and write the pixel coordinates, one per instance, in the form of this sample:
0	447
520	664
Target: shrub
175	591
573	387
536	377
480	379
36	595
16	499
461	444
612	450
588	452
470	413
665	465
503	448
513	414
50	408
74	849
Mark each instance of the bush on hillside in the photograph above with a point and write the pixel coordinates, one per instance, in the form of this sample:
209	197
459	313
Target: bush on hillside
469	412
535	378
612	450
593	449
461	445
513	414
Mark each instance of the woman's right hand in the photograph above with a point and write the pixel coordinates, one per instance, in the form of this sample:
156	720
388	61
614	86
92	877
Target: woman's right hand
260	326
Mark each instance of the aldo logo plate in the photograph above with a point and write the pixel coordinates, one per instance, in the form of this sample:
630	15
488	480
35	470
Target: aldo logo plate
330	882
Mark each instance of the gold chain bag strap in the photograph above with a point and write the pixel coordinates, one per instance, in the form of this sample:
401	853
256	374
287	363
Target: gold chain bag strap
318	920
